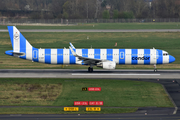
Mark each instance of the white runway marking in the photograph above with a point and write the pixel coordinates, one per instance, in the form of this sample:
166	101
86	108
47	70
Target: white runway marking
115	74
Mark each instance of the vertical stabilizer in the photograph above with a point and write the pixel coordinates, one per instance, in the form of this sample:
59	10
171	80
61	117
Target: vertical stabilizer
19	43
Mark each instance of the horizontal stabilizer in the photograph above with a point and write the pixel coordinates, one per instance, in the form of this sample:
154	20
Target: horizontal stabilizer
18	54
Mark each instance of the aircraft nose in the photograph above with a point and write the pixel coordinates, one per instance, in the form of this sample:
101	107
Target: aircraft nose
171	59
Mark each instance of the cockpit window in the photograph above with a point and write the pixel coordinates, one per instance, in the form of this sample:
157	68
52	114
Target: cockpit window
165	54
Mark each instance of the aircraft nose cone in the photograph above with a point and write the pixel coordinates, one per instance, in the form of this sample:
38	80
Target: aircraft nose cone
171	59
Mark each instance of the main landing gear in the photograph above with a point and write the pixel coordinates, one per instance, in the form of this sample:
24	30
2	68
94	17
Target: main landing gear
155	70
90	69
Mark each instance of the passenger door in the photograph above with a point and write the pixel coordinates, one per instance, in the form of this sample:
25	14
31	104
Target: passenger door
121	55
35	54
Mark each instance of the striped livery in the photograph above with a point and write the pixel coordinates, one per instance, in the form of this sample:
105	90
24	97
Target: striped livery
23	49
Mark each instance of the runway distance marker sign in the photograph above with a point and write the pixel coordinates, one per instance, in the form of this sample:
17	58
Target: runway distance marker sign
80	102
71	108
93	108
94	88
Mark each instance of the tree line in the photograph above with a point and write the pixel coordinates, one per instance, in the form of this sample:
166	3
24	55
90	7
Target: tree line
90	9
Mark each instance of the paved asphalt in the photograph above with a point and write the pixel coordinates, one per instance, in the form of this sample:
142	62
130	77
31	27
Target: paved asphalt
172	87
83	73
93	30
91	117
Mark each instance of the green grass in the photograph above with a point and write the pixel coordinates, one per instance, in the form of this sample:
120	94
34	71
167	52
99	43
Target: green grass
39	94
166	41
21	110
156	25
122	93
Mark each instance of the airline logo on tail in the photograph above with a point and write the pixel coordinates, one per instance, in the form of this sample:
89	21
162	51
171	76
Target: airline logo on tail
16	36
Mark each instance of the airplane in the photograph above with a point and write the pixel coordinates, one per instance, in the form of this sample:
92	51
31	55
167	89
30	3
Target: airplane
104	58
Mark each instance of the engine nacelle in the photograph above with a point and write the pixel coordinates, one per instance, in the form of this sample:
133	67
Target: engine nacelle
108	65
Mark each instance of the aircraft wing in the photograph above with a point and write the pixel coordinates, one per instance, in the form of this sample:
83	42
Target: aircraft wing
86	60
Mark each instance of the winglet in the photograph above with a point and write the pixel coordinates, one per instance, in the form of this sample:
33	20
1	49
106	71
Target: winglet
74	53
72	46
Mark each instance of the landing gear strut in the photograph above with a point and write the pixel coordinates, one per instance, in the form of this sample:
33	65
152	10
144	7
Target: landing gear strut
155	70
90	69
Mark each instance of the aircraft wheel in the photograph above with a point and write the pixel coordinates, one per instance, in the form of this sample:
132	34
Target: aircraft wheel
89	69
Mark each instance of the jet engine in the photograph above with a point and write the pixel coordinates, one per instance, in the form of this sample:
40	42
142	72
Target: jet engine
107	65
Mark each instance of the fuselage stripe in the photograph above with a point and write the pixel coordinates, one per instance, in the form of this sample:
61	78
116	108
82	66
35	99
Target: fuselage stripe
53	56
84	54
72	57
109	54
134	56
97	53
48	56
60	56
147	55
159	56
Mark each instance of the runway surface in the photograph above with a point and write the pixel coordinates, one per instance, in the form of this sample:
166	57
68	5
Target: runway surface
92	117
83	73
93	30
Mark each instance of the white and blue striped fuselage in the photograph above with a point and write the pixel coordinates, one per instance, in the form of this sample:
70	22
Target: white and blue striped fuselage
120	56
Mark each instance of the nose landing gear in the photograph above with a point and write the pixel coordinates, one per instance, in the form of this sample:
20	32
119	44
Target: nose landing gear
155	70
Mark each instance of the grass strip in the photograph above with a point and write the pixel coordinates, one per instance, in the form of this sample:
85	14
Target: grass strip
22	110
